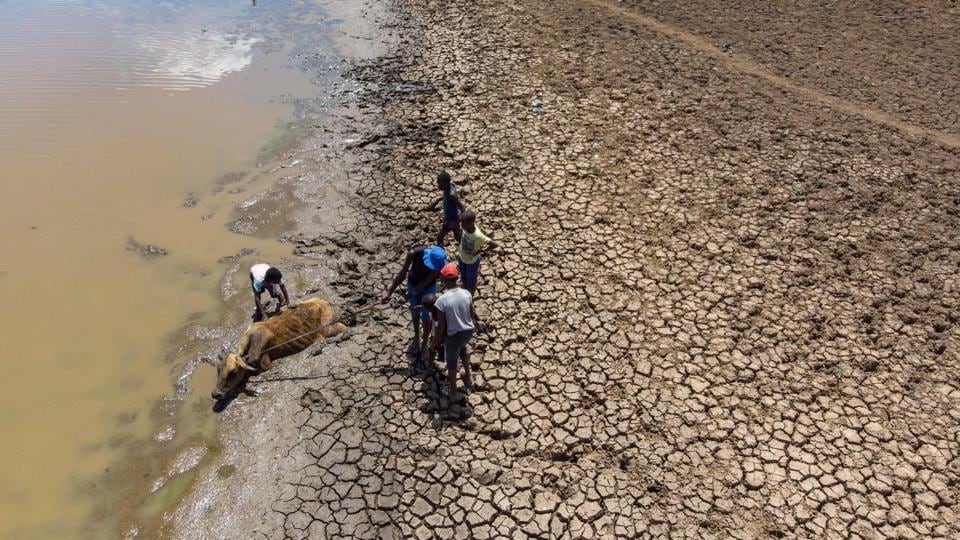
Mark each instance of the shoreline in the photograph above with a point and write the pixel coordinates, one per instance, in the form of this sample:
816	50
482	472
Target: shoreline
296	174
313	200
741	359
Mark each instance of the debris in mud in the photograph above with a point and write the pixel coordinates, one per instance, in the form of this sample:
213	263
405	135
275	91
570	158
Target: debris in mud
164	435
351	144
227	179
226	471
190	202
329	244
243	226
797	191
147	251
185	461
230	258
348	267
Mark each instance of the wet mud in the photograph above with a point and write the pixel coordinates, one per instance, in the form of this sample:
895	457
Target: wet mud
722	308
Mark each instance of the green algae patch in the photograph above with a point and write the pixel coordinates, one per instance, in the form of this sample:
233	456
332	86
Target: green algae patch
226	471
168	496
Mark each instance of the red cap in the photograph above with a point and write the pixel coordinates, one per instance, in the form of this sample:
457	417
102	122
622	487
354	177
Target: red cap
450	271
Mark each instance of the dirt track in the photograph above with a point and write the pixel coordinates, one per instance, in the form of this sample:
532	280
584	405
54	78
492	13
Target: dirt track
724	307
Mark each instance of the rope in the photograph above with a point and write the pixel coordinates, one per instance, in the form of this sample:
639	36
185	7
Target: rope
340	319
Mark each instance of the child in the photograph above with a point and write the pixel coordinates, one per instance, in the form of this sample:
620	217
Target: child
452	207
455	328
265	277
472	244
429	350
421	268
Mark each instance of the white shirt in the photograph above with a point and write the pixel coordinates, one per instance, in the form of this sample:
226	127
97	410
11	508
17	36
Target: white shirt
455	305
259	273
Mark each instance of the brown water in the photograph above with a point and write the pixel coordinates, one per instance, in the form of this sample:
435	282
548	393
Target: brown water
113	112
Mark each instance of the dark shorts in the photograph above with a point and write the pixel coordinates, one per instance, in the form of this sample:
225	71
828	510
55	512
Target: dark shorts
455	347
469	273
452	223
417	299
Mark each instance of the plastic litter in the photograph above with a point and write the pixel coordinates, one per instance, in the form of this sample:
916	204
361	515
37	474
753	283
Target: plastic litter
537	106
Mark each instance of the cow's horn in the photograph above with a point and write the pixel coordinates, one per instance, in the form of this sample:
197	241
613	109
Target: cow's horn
244	365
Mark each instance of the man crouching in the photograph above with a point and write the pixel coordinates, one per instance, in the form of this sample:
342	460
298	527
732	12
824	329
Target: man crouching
274	338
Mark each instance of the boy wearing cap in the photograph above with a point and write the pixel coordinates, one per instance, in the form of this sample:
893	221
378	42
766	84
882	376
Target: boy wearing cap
421	268
455	327
472	244
264	277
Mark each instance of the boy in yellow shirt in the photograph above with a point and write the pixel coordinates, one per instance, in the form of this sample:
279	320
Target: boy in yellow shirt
472	243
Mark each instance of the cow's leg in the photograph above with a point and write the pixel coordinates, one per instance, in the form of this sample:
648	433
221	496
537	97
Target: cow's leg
244	344
255	350
265	361
333	330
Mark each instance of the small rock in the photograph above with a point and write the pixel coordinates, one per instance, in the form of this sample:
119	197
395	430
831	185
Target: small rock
589	511
147	251
545	502
754	480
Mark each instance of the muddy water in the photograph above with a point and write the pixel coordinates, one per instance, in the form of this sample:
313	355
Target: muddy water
122	124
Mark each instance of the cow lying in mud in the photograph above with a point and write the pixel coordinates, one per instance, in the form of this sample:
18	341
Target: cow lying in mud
252	352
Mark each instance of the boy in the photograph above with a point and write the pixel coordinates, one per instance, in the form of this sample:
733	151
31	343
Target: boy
428	349
421	268
452	207
472	245
455	329
265	277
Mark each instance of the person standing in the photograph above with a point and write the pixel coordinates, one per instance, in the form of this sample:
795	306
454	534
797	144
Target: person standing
455	328
264	277
472	244
421	268
452	207
429	347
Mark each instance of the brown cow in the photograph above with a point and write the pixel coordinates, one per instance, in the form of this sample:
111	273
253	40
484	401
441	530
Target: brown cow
308	315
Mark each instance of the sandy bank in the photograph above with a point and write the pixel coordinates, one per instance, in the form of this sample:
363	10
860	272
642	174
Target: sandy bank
722	308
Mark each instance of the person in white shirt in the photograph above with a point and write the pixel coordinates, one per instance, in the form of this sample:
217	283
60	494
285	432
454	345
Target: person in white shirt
455	327
264	277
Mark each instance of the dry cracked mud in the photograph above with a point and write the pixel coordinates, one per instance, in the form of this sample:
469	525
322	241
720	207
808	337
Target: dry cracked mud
721	308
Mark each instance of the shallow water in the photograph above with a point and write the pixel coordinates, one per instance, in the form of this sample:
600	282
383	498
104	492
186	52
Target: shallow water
113	113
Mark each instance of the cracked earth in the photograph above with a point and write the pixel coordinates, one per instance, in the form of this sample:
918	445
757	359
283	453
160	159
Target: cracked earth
724	307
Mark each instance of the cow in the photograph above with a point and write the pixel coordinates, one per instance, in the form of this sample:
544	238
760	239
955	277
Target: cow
266	341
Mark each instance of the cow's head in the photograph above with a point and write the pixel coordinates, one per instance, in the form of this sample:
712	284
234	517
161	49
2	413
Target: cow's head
231	370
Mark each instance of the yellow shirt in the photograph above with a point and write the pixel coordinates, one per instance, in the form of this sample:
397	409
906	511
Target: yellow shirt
471	244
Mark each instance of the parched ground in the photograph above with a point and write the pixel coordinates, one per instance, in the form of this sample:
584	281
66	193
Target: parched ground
726	304
896	57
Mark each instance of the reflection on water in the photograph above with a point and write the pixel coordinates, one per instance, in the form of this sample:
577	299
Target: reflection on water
162	44
112	113
62	60
200	60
